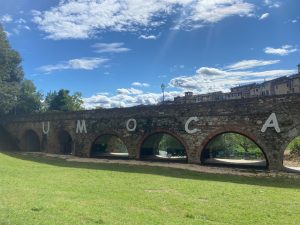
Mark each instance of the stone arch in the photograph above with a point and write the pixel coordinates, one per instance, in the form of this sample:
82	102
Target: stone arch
108	144
292	134
30	141
231	129
162	131
66	142
7	141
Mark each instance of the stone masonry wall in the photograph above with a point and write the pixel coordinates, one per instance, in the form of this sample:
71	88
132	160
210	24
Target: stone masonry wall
245	116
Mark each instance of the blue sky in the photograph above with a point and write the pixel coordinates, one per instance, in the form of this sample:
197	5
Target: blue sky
117	53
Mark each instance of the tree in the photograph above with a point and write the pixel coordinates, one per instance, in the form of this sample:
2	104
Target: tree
11	74
240	141
63	101
234	146
29	100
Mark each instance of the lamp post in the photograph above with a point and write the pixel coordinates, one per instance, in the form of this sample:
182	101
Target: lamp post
162	86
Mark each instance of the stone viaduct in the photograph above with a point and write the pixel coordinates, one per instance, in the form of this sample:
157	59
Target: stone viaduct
271	122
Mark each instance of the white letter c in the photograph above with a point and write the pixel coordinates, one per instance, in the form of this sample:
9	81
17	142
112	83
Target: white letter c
188	123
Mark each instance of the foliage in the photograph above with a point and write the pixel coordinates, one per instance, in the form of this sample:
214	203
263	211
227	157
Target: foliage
21	95
63	101
11	74
48	191
171	145
108	144
29	100
294	147
231	145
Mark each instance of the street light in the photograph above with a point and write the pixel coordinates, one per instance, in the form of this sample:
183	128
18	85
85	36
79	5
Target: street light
162	86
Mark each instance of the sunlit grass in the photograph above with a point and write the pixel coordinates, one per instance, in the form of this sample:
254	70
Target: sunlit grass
50	191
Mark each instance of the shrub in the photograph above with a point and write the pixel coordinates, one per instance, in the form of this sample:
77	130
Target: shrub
294	147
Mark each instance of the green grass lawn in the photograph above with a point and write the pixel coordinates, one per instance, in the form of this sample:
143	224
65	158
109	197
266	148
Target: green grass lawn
37	190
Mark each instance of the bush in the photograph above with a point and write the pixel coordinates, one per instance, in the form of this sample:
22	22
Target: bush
294	147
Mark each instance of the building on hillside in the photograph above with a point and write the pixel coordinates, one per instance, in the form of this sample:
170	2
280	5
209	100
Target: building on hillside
296	83
189	97
279	86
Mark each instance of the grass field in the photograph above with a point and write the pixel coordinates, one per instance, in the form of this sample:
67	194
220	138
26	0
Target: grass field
41	190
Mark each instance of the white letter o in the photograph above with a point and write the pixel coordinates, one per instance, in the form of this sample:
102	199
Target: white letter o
128	123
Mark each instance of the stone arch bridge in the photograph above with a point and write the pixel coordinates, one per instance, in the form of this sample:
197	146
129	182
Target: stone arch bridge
271	122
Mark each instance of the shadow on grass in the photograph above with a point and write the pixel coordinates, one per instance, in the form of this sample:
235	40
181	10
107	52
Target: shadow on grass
265	181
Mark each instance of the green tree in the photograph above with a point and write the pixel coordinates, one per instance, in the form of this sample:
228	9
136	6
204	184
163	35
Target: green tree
63	101
29	100
238	141
234	146
11	74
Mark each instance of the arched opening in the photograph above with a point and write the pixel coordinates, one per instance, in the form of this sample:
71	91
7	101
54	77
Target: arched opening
235	150
109	146
164	147
7	141
65	142
31	142
291	157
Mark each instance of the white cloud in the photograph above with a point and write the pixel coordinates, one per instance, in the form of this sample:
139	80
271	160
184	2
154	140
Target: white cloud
138	84
205	12
247	64
176	68
213	79
8	34
20	25
19	28
127	100
6	18
264	16
36	13
148	37
162	76
26	27
129	91
81	19
272	3
103	93
110	47
284	50
294	21
21	21
74	64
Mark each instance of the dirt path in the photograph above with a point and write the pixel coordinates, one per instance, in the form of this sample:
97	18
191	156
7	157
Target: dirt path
190	167
292	162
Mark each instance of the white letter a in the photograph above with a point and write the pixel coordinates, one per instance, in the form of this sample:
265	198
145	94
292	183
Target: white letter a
271	122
